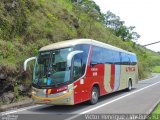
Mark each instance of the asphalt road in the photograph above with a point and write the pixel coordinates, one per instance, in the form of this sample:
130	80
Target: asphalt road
123	105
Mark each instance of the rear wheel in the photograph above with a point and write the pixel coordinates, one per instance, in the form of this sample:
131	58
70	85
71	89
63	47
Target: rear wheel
129	85
94	96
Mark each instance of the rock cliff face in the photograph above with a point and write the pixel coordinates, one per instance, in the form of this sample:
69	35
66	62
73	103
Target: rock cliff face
6	87
12	84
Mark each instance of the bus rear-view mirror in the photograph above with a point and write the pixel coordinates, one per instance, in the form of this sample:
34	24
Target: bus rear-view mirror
26	62
71	55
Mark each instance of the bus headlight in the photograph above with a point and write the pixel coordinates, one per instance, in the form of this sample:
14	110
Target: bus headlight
64	92
33	92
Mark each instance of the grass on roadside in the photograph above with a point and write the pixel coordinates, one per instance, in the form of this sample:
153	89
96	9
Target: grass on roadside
156	69
155	115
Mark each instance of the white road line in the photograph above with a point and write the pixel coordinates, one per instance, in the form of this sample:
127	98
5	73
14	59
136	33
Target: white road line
19	110
102	105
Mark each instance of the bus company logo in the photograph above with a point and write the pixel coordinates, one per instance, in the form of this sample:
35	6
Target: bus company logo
94	69
62	89
95	74
130	69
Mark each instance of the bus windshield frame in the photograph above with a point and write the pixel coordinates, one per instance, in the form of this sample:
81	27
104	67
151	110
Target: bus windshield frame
51	68
75	62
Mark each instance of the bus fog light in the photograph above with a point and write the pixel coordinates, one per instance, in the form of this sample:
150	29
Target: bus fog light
68	99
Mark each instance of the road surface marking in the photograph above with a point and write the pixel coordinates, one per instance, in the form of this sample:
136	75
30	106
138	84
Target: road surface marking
102	105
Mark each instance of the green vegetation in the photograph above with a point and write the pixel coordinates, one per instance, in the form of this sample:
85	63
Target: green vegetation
157	110
155	115
27	25
154	61
119	28
156	69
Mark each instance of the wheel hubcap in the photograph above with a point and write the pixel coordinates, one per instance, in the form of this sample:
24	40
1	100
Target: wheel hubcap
94	95
130	86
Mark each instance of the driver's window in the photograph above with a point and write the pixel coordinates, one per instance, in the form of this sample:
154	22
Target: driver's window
77	66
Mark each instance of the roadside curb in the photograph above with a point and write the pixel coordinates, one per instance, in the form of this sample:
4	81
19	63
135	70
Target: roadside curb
20	104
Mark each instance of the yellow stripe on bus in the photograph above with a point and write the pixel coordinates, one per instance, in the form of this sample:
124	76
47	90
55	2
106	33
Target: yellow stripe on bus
55	98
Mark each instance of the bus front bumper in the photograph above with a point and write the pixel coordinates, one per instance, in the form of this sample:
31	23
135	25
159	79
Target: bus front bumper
64	99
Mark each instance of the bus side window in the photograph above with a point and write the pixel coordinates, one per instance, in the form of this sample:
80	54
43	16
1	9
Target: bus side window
77	66
133	59
85	49
97	57
125	59
116	57
108	56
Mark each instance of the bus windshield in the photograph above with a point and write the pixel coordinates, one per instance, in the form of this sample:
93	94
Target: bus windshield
51	68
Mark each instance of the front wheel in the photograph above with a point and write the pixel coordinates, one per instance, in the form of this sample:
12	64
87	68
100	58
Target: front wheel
94	96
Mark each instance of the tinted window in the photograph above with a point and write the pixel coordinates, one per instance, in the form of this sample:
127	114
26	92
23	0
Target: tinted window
80	61
133	59
97	56
111	57
108	56
85	49
125	59
78	67
116	56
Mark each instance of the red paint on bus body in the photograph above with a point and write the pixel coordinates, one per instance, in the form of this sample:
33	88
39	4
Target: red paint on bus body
112	76
94	76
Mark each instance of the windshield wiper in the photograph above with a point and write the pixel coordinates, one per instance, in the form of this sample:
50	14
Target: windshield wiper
61	83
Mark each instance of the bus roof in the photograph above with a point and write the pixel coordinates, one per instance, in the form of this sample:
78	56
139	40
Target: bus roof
69	43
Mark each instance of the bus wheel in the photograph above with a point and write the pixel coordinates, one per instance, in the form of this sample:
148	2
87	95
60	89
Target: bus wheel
94	96
129	85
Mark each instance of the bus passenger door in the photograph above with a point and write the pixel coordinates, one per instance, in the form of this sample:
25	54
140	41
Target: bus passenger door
79	71
80	93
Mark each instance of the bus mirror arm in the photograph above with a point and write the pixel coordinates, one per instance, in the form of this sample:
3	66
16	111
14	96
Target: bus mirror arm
70	56
26	61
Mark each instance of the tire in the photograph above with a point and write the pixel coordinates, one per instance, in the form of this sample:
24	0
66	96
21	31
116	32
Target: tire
94	96
129	85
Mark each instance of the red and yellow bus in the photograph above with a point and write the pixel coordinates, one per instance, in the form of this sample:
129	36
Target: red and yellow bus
74	71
